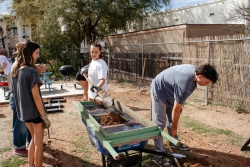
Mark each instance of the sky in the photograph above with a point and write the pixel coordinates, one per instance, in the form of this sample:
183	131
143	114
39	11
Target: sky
5	6
183	3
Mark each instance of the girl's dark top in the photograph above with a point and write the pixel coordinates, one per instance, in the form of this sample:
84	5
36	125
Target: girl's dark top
21	88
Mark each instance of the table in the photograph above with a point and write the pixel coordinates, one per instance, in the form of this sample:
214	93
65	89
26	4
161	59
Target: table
4	82
47	81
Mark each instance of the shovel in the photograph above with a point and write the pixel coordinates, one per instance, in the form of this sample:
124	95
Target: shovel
102	99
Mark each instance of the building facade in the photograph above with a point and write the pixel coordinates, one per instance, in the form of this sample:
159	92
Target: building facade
212	12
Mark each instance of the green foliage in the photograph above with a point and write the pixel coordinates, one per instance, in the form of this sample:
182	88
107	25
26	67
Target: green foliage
85	20
13	161
120	80
237	105
2	150
201	108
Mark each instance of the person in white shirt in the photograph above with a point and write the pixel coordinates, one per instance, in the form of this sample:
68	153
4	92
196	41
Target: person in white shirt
97	72
5	64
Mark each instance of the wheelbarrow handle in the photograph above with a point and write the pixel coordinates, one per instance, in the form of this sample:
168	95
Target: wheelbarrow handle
171	139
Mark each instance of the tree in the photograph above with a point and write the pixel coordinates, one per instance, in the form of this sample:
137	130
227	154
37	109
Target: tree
84	20
238	13
99	18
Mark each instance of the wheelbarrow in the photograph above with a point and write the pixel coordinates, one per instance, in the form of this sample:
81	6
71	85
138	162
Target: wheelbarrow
245	146
111	140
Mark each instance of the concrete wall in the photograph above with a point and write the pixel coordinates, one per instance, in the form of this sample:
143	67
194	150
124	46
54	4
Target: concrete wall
132	42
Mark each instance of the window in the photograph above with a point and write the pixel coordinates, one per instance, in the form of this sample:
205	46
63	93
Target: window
14	30
25	31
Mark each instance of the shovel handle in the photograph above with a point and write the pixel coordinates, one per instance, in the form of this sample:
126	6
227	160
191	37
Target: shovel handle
87	79
89	82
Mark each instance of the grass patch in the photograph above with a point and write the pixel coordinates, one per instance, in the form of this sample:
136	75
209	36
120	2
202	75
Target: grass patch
120	80
223	112
191	105
201	108
197	127
202	128
73	151
220	104
247	152
79	143
5	149
13	161
147	160
129	81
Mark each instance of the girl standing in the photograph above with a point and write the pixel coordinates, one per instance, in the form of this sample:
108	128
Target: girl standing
25	83
98	69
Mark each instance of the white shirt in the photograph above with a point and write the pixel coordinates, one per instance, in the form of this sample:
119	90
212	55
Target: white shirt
98	69
3	60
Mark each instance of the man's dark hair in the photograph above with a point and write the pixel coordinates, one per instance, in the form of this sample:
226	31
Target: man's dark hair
207	71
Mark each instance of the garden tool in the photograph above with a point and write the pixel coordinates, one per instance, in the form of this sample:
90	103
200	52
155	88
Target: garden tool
245	146
103	98
84	70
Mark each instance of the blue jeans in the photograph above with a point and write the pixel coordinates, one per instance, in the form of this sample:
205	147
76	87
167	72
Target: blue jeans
21	134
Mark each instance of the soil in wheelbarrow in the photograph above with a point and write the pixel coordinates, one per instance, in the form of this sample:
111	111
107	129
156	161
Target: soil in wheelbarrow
112	118
217	142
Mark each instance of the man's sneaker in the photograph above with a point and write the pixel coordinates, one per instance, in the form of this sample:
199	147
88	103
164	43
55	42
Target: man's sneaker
21	152
182	147
162	161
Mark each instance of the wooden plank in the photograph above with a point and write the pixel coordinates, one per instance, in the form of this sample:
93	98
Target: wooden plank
87	103
79	107
128	139
52	100
137	132
53	109
52	105
144	121
170	138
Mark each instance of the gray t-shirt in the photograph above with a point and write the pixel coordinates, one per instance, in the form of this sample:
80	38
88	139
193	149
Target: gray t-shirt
21	89
175	83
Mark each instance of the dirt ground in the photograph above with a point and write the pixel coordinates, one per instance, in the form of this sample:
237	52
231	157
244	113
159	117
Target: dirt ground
69	145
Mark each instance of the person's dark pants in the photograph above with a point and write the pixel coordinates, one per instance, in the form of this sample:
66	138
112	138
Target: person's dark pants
21	134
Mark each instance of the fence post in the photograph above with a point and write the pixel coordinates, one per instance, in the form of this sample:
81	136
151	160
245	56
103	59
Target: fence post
142	58
135	66
109	57
208	61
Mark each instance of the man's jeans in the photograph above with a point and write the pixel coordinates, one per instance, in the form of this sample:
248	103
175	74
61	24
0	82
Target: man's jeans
21	134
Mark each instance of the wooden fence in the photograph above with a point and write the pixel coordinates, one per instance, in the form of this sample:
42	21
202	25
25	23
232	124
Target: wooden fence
229	55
